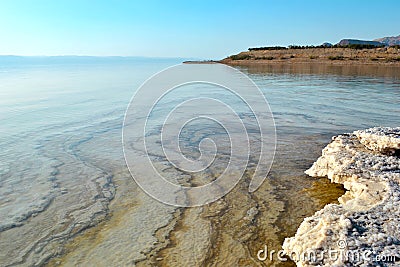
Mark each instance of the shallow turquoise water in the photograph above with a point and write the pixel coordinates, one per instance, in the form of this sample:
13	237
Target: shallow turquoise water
49	109
46	107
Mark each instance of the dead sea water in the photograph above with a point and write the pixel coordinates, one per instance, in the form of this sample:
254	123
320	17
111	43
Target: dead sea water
66	196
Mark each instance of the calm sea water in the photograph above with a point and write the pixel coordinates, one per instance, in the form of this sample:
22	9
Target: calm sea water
56	101
50	109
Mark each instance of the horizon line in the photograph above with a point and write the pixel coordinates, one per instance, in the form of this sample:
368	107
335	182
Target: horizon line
99	56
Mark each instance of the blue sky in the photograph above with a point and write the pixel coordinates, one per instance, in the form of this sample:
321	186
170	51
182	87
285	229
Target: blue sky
188	28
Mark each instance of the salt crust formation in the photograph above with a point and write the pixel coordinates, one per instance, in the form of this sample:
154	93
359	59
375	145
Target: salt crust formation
364	229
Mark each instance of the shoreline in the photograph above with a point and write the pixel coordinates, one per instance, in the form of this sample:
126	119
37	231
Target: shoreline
387	56
299	62
335	56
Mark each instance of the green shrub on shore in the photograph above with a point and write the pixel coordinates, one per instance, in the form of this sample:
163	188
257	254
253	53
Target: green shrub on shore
240	57
351	46
305	46
267	48
358	46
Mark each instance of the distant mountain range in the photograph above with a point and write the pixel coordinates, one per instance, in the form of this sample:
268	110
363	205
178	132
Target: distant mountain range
385	41
389	41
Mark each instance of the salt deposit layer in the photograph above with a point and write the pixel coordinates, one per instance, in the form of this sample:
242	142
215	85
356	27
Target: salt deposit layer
67	198
364	228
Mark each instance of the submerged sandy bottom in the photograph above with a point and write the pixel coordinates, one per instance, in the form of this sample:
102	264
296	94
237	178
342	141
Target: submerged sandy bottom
141	231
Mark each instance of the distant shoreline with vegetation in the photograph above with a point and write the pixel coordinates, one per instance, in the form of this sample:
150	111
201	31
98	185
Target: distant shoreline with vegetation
335	54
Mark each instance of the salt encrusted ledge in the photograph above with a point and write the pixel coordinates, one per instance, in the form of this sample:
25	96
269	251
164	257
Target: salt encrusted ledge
364	229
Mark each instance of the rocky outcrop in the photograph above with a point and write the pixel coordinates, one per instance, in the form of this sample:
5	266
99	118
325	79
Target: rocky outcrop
389	41
364	229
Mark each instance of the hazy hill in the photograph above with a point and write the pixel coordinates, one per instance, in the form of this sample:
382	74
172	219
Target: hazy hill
393	40
345	42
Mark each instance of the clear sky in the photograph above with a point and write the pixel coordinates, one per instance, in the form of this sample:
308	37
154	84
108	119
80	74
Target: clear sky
187	28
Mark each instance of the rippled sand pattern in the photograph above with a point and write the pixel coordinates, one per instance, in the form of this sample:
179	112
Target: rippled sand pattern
227	232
